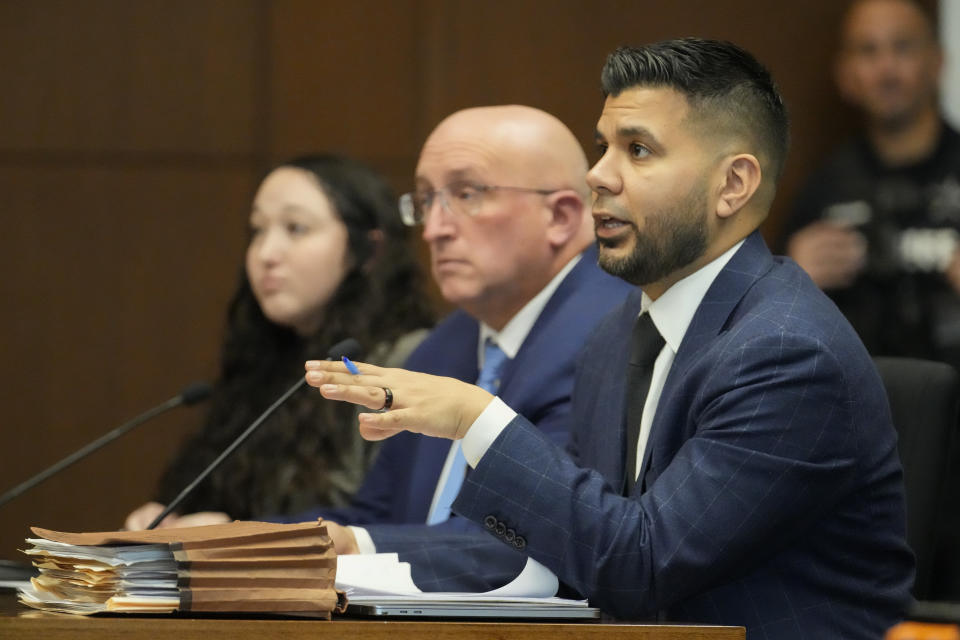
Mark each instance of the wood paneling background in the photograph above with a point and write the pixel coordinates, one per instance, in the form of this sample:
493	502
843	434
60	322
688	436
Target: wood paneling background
132	135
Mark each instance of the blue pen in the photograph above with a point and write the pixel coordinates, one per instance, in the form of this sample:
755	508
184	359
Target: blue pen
352	368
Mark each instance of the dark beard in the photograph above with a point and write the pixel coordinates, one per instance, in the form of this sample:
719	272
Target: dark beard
672	240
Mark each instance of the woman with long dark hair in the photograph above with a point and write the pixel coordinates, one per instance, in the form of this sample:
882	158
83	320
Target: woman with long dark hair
327	259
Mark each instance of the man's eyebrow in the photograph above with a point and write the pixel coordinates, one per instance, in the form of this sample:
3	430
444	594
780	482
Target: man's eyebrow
465	174
459	175
628	131
635	131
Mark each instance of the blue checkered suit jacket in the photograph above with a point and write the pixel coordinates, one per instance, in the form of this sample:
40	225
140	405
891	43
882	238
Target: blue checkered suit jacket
772	494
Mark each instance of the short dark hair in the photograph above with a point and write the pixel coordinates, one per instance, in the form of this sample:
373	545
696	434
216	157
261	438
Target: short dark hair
720	80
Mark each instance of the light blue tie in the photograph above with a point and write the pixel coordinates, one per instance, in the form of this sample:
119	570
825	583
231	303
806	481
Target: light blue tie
493	361
489	379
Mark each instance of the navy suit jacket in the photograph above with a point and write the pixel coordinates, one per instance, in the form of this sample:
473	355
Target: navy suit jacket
772	492
538	383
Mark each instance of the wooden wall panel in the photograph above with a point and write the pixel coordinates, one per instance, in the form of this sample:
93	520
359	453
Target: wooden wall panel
344	78
119	76
114	284
129	151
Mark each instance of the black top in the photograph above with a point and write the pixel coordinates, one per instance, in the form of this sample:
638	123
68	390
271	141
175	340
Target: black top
910	215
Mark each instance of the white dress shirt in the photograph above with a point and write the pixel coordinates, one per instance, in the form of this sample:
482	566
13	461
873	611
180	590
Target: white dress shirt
671	313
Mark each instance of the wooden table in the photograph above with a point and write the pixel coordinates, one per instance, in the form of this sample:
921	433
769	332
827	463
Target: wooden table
18	622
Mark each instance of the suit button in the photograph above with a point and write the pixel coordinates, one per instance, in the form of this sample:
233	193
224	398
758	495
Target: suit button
490	522
509	535
520	543
501	529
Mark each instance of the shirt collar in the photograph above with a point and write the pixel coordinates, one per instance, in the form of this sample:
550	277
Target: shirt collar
674	310
511	337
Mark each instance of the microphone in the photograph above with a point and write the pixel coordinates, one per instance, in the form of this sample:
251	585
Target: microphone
349	348
191	394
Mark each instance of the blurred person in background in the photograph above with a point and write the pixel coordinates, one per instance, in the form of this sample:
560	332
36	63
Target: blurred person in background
877	226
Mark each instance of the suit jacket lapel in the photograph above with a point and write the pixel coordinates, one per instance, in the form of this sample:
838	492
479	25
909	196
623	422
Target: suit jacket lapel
456	357
567	287
746	266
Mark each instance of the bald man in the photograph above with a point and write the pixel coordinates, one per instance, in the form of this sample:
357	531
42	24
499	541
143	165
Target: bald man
500	195
877	227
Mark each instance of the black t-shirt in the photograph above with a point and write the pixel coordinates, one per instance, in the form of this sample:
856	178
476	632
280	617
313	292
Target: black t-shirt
901	304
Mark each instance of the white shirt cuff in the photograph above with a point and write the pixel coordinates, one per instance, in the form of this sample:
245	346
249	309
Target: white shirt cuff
485	429
364	541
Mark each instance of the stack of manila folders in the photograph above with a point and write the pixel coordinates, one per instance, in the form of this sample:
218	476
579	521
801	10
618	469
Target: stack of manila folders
256	567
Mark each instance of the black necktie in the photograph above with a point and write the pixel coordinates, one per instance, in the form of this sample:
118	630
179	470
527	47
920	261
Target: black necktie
645	346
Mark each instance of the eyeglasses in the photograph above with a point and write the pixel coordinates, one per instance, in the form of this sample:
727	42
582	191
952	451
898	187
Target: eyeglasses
457	197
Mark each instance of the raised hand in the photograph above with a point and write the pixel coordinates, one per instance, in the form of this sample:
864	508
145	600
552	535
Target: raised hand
431	405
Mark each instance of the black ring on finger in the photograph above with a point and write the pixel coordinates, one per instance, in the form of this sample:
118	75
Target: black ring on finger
387	399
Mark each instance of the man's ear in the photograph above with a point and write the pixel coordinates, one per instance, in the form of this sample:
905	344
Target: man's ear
740	180
567	211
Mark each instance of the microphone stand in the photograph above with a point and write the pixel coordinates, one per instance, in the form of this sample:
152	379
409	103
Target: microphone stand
90	448
226	452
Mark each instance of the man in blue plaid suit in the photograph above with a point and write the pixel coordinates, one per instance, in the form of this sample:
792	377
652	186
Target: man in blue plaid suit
744	471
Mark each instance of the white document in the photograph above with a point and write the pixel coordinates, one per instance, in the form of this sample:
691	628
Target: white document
381	578
374	574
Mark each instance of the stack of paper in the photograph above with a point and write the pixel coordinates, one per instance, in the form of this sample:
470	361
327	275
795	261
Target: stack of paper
235	567
256	567
382	585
